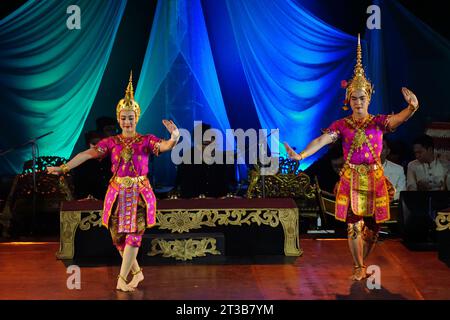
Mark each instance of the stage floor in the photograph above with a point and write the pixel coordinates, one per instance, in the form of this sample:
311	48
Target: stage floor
31	271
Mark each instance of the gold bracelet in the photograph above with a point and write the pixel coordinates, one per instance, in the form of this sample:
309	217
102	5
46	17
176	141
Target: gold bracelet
302	155
64	168
412	108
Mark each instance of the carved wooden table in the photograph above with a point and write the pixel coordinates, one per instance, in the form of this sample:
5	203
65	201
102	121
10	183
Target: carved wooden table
443	227
182	216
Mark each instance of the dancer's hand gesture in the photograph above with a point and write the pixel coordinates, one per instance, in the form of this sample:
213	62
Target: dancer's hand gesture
172	128
410	97
292	154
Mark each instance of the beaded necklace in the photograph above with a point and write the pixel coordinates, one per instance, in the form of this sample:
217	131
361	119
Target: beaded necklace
127	151
359	139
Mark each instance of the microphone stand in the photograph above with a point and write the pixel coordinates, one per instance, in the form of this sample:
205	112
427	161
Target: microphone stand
260	147
33	156
263	180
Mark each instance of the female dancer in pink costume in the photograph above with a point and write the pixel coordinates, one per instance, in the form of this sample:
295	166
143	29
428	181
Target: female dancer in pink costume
130	204
363	192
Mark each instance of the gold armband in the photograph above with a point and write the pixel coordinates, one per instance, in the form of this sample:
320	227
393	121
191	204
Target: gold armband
64	168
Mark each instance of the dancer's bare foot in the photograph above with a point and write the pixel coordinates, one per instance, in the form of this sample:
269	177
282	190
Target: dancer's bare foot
122	285
137	277
359	273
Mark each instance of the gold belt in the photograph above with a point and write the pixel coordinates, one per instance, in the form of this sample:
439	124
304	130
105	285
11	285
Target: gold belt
129	181
364	168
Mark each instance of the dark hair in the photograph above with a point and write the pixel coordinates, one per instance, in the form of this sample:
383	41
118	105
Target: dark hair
102	122
91	135
425	141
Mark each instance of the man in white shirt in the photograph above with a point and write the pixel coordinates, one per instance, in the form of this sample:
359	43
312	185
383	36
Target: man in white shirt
428	172
393	171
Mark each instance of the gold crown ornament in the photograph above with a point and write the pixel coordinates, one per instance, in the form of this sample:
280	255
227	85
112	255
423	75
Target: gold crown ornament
128	103
359	80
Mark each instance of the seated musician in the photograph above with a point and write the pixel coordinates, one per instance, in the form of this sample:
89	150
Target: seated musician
205	180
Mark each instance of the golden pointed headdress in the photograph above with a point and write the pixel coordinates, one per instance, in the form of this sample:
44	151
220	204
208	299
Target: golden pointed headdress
359	80
128	103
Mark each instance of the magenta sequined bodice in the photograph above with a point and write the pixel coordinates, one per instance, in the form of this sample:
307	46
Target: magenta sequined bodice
374	131
129	156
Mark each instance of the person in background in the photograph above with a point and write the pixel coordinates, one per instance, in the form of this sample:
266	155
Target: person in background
447	181
428	172
327	168
92	177
394	172
202	179
107	126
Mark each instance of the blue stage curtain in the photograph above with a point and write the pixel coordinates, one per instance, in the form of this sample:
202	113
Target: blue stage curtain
49	75
294	64
407	52
178	78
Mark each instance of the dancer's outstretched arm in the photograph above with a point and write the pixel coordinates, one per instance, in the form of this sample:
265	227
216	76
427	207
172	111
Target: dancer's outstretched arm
311	148
75	162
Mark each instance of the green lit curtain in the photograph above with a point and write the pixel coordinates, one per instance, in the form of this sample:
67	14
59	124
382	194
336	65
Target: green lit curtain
49	75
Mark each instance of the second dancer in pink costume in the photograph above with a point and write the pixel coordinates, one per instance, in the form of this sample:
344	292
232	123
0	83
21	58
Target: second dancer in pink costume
363	192
130	204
